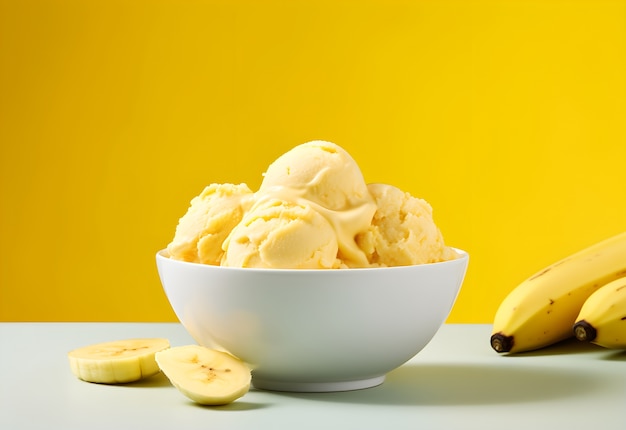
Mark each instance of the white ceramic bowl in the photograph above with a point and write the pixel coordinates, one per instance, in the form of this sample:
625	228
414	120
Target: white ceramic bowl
314	330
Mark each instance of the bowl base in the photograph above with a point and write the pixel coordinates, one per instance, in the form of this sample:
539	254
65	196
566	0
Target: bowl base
316	387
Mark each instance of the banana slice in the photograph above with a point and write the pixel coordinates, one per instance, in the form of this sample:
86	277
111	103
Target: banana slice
117	362
204	375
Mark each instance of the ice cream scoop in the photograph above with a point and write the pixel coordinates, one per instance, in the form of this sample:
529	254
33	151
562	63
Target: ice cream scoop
403	231
282	235
208	221
324	176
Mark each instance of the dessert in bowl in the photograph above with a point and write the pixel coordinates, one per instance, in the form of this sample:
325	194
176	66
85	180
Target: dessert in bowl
318	280
314	330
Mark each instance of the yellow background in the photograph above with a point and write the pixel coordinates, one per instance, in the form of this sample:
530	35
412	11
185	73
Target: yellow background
509	117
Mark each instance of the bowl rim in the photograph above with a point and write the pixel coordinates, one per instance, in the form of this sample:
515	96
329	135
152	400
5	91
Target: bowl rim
463	258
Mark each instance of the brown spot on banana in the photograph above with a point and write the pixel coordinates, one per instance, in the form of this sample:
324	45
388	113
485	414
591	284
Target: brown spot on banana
547	269
543	272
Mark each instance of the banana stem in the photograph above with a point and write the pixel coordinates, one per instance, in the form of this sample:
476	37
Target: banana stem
501	342
584	331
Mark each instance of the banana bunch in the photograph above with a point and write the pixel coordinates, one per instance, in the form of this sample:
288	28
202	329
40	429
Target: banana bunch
551	305
206	376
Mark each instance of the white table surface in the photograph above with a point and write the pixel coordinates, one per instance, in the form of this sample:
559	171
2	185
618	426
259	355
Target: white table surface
456	382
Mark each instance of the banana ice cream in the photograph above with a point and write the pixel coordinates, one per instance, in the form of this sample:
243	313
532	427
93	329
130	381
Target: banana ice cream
208	222
402	231
324	176
313	210
280	234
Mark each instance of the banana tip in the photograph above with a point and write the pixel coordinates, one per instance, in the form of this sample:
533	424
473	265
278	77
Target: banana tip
584	331
501	342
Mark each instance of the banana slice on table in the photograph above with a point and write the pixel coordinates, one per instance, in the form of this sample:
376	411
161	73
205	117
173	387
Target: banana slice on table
206	376
118	361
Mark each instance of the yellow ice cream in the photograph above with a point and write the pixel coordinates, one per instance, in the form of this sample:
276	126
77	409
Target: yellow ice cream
208	221
324	176
279	234
313	210
403	231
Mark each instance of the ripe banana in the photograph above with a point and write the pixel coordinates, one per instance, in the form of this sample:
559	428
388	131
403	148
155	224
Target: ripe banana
542	309
117	362
204	375
602	318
